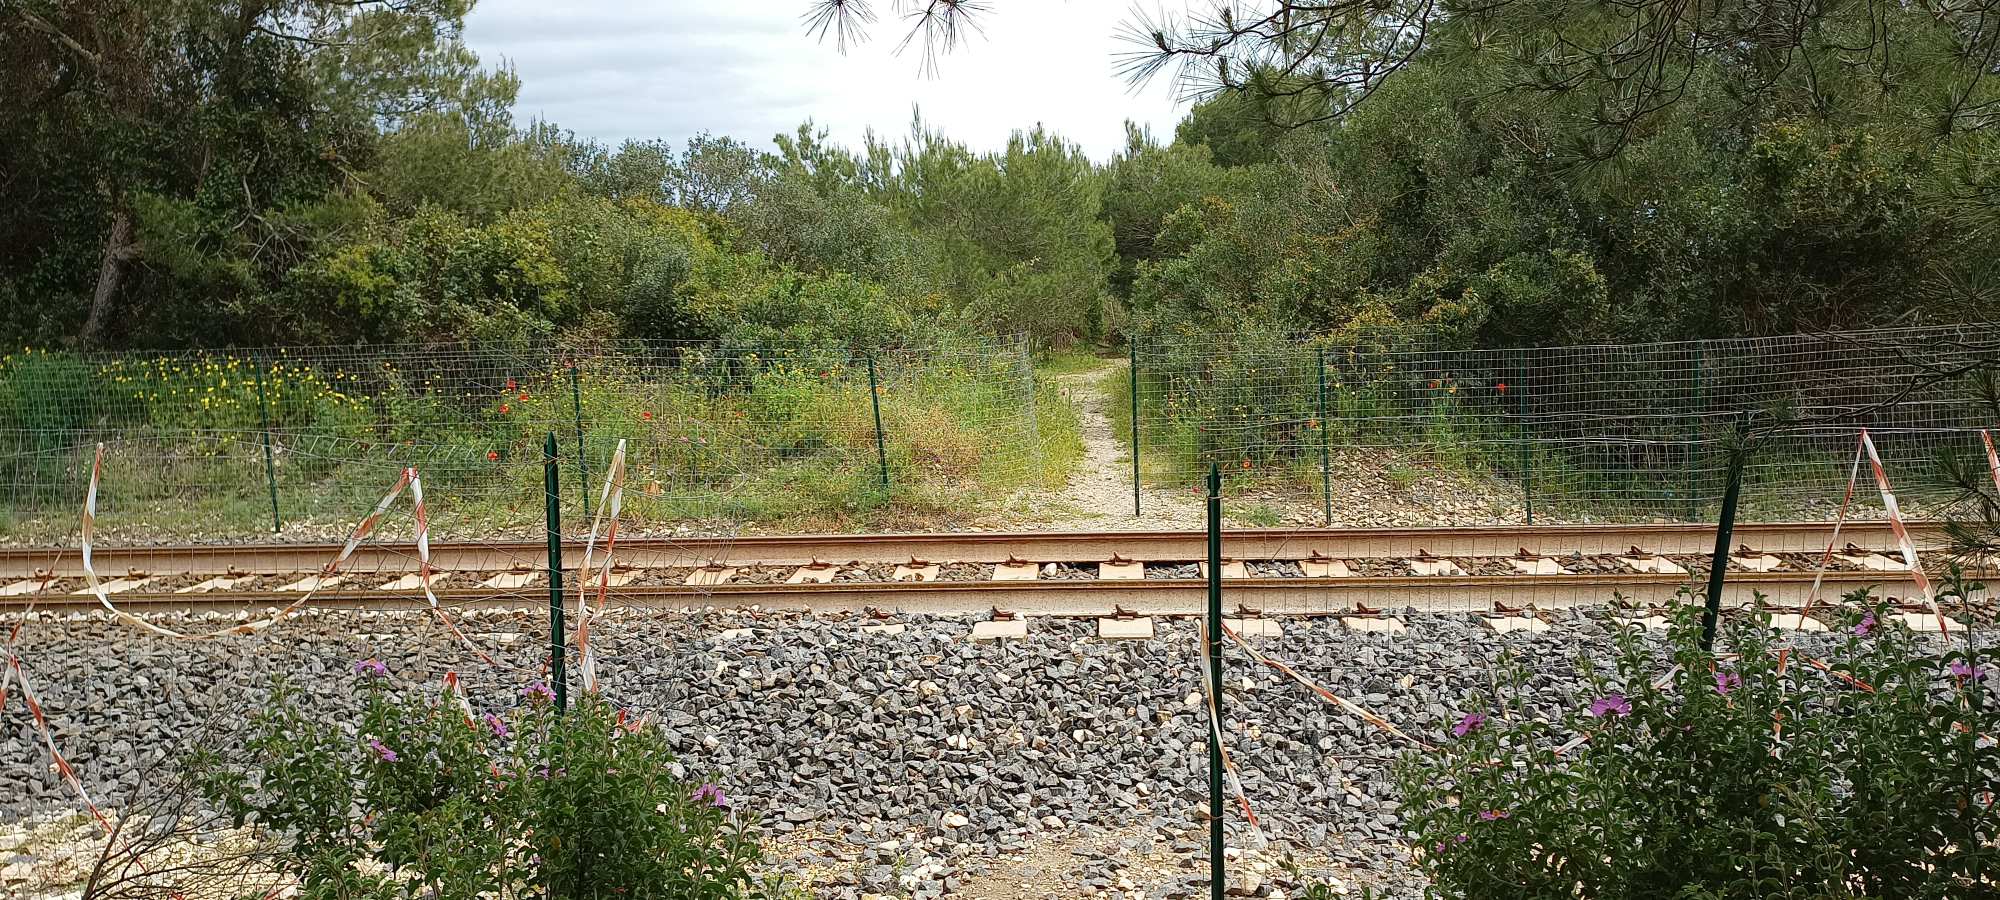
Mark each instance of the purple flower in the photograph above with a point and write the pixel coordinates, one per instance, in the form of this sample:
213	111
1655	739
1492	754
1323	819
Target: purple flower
1469	724
1726	681
712	795
1461	837
1867	624
371	668
1610	705
1489	815
538	692
494	722
1964	669
382	750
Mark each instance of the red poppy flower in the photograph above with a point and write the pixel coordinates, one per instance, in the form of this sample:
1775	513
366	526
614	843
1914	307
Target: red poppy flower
505	409
1434	384
646	416
1501	387
492	456
1246	465
523	398
510	384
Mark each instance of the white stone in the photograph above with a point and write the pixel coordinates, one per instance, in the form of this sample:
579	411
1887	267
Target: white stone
1112	628
995	629
1796	622
1540	565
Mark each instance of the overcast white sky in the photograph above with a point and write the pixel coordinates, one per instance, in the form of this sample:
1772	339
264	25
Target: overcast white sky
617	69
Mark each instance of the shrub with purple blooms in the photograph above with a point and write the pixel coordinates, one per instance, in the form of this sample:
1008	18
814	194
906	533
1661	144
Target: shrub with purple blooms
420	798
1757	770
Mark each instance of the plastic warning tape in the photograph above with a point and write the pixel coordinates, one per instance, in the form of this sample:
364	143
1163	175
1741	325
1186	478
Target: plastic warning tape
41	719
1331	697
1229	772
1846	500
424	572
89	530
1902	533
610	502
1992	460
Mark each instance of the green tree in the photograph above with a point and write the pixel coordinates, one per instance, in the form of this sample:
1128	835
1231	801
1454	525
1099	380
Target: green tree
168	159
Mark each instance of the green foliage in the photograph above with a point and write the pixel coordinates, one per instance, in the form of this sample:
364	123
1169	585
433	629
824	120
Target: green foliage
1458	201
777	433
1755	773
48	395
181	175
420	797
1069	361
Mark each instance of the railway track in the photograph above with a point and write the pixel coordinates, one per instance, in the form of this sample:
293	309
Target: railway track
1290	571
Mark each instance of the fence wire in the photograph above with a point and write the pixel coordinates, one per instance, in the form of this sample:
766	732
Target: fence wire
230	444
1562	434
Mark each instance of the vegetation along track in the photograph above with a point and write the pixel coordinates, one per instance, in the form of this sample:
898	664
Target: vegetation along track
1289	571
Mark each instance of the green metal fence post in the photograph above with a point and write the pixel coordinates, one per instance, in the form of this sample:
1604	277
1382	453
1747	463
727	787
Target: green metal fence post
1694	440
1213	637
1718	563
270	466
557	676
1527	442
582	464
1034	423
875	399
1134	373
1325	460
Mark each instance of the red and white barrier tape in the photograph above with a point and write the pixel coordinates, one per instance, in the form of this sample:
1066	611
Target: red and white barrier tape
408	480
1229	772
62	764
609	503
1992	460
1331	697
456	692
424	572
89	530
1826	559
1902	533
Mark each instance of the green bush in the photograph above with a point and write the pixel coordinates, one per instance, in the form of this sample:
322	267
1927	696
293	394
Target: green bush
48	395
423	799
1748	774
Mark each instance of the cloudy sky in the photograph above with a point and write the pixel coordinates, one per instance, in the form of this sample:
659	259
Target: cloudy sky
617	69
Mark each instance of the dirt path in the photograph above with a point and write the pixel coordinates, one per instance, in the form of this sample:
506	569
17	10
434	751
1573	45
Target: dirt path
1372	487
1099	494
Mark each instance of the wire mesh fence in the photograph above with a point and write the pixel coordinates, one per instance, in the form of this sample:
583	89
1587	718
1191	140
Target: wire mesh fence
225	445
230	445
1565	434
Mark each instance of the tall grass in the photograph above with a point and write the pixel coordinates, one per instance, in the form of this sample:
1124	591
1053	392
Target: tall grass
714	438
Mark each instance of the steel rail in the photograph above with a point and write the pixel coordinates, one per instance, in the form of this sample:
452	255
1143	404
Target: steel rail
392	554
1153	596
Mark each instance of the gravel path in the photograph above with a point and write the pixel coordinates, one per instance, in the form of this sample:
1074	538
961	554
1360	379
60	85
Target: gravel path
918	765
1370	488
1099	494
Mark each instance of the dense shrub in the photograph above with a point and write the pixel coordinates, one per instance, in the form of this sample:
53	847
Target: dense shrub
420	798
1751	773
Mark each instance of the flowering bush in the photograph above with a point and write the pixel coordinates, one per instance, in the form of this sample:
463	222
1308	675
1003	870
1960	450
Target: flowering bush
421	798
1752	773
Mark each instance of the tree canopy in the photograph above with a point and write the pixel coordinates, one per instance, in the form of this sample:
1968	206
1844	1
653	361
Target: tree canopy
178	173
